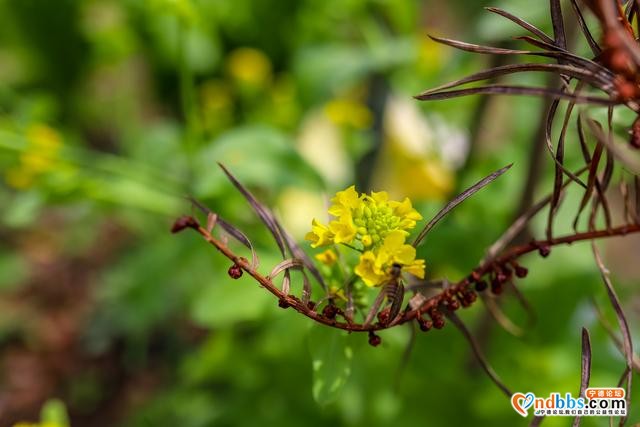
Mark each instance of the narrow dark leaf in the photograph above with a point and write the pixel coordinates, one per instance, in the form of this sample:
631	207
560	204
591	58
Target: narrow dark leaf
521	222
230	229
477	351
500	317
583	140
585	369
242	238
603	186
297	252
263	212
614	336
541	44
558	24
585	374
285	265
457	200
595	49
517	90
579	73
560	168
521	22
375	307
628	159
593	177
566	57
622	319
548	128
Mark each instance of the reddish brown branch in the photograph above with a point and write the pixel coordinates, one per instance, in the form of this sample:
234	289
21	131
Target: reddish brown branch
507	257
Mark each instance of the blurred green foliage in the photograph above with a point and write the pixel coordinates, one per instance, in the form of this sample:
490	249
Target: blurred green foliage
111	111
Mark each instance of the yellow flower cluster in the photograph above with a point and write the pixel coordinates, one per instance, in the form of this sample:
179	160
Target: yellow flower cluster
375	226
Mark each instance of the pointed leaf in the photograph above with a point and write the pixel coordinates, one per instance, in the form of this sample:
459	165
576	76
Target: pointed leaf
457	200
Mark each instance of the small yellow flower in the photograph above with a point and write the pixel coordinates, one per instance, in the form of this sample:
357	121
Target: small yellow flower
406	212
368	270
343	229
319	235
345	201
374	268
327	257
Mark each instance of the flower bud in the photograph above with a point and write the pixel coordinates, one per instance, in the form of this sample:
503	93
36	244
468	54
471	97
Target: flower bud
235	271
374	340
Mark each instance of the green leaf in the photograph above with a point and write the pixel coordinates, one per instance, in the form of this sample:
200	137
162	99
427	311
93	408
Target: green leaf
331	355
255	154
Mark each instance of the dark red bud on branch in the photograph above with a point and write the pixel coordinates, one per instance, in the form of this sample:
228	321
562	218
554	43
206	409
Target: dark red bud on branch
383	316
452	304
544	251
521	271
374	340
438	322
184	222
481	285
330	311
425	324
282	303
235	271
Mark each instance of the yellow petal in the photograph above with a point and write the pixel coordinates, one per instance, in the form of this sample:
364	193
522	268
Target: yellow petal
380	197
394	240
405	255
366	270
343	230
416	268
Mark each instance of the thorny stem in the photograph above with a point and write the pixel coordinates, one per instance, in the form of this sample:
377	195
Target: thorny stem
485	267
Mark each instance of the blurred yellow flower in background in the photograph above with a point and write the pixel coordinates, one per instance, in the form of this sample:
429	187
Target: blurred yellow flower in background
40	156
347	112
249	66
419	156
328	257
